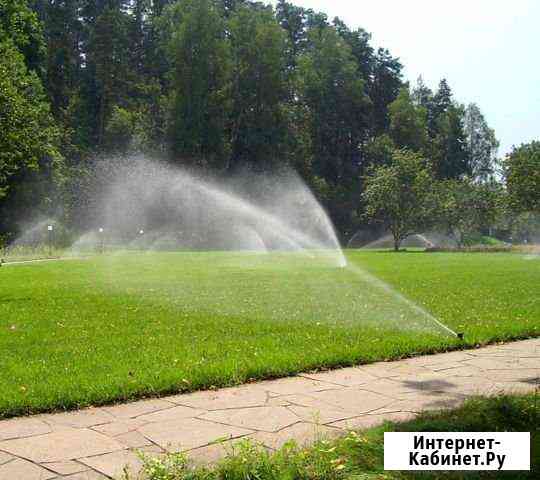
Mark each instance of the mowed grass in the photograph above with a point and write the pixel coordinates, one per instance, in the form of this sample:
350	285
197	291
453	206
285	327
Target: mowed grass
117	327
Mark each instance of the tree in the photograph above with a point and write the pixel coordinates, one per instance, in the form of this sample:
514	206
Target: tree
466	208
400	195
448	150
259	90
422	94
522	174
383	88
109	54
481	144
293	20
200	102
21	26
332	89
407	122
28	135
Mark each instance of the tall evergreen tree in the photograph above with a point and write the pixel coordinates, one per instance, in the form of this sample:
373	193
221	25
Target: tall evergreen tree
408	128
201	86
384	88
259	89
333	91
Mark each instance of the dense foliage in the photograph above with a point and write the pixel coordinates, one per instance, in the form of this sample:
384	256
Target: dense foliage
222	85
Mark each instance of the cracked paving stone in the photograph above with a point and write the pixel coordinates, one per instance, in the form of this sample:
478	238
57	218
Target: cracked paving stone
268	419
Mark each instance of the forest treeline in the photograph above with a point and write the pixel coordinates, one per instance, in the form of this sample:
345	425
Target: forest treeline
221	85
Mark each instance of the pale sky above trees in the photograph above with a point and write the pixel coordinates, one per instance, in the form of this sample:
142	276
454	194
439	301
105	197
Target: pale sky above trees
487	49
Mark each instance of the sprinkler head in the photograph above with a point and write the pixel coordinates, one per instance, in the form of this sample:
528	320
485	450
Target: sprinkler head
460	335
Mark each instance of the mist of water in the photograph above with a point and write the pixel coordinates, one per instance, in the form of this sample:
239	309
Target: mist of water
151	206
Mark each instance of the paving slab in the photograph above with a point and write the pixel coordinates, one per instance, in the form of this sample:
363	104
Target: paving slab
346	377
67	467
302	433
119	427
133	440
115	464
320	415
136	409
60	446
174	413
213	453
267	419
372	420
22	427
292	385
354	399
88	417
189	433
87	475
239	397
5	457
23	469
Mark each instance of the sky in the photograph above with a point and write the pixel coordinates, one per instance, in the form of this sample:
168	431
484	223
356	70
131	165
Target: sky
488	50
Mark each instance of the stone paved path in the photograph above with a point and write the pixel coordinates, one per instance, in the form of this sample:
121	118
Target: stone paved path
97	443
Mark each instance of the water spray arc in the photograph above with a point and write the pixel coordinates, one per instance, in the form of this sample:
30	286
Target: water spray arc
149	204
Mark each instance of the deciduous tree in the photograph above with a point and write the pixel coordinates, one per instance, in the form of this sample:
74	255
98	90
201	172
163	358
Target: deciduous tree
400	195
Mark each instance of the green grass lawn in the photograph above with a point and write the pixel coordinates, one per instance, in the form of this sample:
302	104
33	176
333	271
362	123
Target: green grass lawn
360	455
117	327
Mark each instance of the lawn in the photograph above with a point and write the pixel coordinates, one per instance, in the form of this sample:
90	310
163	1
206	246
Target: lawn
115	327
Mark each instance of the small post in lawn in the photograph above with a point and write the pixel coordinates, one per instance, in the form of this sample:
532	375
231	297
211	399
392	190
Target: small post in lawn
50	230
102	240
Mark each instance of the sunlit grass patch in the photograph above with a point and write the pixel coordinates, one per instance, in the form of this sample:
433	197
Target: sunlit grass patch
117	327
